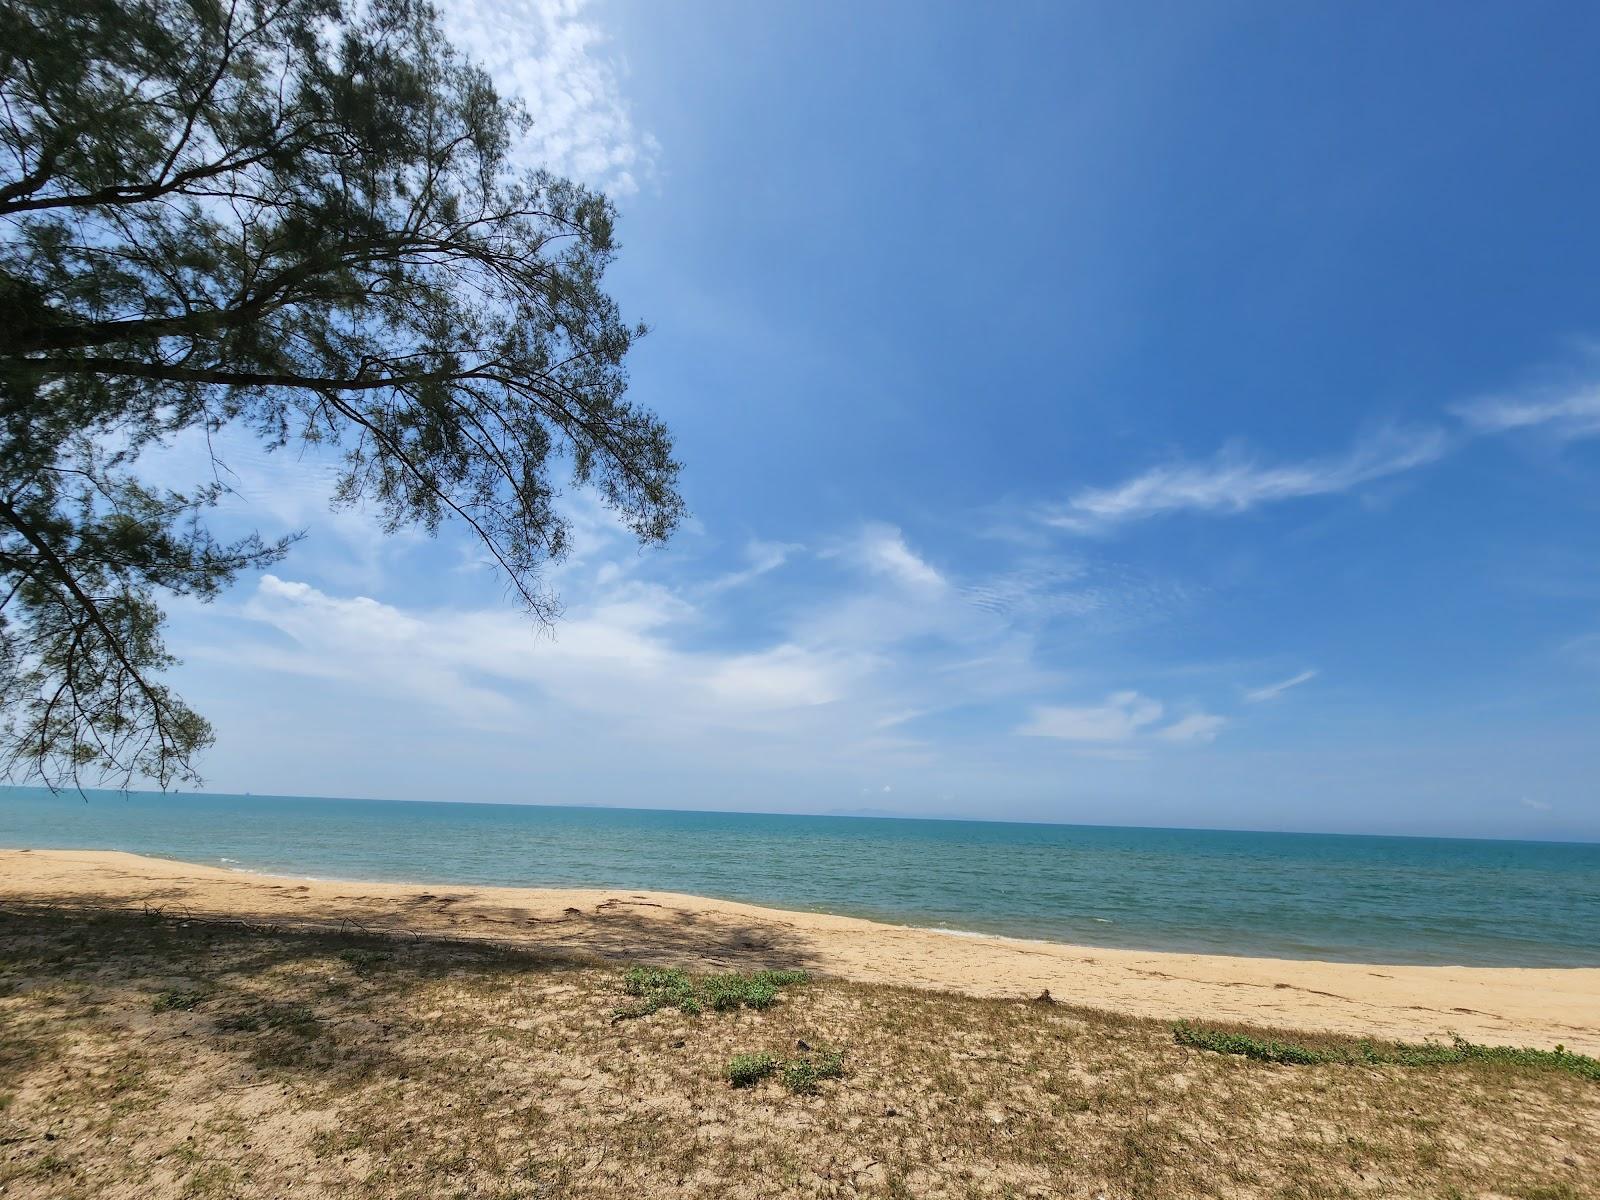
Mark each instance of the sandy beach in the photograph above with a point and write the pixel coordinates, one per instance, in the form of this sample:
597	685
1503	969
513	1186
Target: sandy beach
1539	1007
170	1031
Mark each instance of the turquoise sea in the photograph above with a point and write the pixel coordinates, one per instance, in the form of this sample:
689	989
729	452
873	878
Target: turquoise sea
1362	899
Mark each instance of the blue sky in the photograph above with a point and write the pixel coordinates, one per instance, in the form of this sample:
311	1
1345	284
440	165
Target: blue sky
1154	414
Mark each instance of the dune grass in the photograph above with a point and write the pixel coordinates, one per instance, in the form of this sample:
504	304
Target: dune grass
801	1074
1348	1052
746	1070
322	1065
673	987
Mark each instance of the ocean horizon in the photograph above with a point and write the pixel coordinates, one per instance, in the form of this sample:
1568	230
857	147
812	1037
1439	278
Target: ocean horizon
1340	897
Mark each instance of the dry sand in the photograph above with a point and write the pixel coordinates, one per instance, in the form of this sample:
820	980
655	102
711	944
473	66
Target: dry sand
1523	1006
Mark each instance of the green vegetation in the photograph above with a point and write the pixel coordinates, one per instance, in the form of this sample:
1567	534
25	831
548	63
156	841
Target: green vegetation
244	1022
301	220
176	1001
747	1069
297	1019
670	987
758	990
497	1070
801	1075
1368	1053
658	988
364	960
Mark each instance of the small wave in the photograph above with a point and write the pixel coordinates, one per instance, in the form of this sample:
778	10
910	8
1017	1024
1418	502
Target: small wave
966	933
988	937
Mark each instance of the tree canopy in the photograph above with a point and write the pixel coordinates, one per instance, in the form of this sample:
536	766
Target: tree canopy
300	218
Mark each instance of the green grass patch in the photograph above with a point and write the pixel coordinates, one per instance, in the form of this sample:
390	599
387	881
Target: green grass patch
745	1070
297	1019
176	1001
800	1074
1401	1054
658	988
671	987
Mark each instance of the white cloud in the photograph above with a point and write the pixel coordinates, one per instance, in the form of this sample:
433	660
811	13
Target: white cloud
762	557
359	640
1123	717
552	55
1196	727
784	677
1535	805
1568	414
820	679
1119	719
890	720
1273	690
277	492
881	549
1103	597
619	659
1233	481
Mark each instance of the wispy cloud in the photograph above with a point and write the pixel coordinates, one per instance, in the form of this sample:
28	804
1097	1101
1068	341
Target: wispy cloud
1099	596
761	557
552	54
652	663
620	657
1568	414
1121	718
1273	690
881	549
1535	805
1235	481
1196	727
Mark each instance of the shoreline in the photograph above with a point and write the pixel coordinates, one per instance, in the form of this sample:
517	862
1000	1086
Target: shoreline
234	867
1537	1006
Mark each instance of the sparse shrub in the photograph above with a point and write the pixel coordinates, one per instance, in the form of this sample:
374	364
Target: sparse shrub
1260	1049
296	1019
292	1018
364	960
781	978
723	993
801	1075
670	987
174	1000
657	988
747	1069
